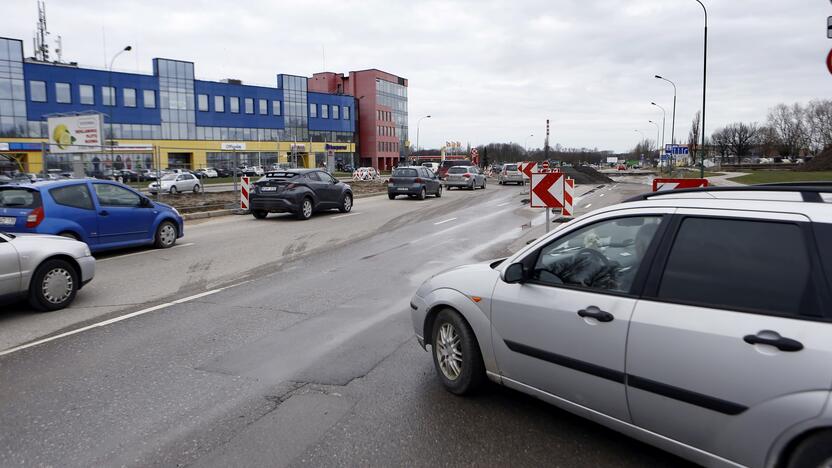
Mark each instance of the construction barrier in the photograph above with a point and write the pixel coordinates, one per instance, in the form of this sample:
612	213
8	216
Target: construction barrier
245	187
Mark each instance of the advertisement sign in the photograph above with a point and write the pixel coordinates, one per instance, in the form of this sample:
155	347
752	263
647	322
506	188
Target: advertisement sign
4	146
75	134
612	159
233	146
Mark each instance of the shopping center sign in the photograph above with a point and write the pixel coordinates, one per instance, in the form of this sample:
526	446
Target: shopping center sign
75	134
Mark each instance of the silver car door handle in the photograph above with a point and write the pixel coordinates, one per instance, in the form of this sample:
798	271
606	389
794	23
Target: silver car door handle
779	342
596	313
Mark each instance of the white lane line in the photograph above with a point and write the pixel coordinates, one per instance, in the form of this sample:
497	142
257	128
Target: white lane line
344	215
150	250
588	205
602	195
118	319
443	222
503	204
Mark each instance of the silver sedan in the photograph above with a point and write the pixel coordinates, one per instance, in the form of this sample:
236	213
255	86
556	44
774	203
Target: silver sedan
48	270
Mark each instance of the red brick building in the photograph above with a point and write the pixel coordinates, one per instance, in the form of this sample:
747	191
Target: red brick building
381	100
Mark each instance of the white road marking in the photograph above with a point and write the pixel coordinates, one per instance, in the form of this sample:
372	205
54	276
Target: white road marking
443	222
118	319
602	195
150	250
588	205
504	204
344	215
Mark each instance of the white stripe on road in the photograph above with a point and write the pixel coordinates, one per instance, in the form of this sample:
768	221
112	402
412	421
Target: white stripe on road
143	252
117	319
602	195
443	222
504	204
588	205
344	215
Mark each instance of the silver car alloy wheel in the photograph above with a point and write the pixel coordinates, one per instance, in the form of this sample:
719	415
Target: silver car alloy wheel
449	351
167	234
57	285
307	208
347	202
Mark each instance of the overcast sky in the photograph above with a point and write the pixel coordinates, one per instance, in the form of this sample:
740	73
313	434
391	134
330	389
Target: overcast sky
487	71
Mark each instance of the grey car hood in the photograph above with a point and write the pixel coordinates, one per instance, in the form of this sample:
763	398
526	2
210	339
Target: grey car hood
41	244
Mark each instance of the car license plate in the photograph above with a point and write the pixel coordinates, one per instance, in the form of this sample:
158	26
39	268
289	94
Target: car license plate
268	189
403	189
7	221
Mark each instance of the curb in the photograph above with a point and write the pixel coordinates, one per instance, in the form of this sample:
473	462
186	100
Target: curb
206	214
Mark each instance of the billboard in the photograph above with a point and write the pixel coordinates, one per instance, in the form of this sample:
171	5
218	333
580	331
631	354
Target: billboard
75	134
612	159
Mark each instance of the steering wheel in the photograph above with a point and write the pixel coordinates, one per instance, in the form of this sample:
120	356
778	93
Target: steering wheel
596	255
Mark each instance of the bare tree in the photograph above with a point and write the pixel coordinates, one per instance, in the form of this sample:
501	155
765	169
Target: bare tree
818	115
643	150
693	135
790	126
742	138
721	140
769	141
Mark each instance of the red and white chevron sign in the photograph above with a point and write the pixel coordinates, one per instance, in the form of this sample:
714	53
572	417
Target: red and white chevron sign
528	169
547	190
245	187
568	197
672	184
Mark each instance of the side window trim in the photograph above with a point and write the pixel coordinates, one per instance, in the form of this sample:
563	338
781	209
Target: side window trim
636	289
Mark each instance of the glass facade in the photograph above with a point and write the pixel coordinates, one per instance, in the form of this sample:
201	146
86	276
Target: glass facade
176	98
394	96
12	89
227	160
294	106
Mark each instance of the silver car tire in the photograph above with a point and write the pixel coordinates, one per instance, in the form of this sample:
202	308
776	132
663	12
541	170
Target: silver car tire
53	286
166	235
173	190
456	354
196	188
305	210
346	203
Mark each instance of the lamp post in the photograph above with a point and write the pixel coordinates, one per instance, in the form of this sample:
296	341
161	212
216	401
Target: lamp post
526	143
419	122
115	100
658	153
672	119
704	79
664	116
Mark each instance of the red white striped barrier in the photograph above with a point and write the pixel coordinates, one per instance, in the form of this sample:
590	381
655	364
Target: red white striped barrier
245	187
568	194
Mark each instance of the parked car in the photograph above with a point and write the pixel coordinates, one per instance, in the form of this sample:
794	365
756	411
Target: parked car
510	175
4	179
696	320
469	177
415	181
176	183
208	172
449	163
252	171
47	270
104	214
299	191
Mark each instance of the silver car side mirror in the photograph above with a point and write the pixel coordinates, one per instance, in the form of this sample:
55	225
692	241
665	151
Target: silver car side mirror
515	273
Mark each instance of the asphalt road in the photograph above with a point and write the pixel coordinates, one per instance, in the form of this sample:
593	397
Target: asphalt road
279	342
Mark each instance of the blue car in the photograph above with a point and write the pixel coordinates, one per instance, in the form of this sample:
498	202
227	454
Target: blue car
106	215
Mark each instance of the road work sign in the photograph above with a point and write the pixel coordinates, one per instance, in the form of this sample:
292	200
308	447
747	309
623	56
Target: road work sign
547	190
528	169
245	187
660	184
568	197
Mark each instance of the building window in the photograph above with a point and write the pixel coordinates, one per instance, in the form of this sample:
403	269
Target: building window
249	103
234	104
62	93
264	106
219	104
324	111
202	102
378	115
313	110
335	112
275	107
108	97
149	99
37	90
129	96
346	112
86	94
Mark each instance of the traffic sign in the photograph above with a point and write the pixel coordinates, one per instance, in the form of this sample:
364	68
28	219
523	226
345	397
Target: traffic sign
547	190
544	166
244	193
829	61
528	169
676	149
829	27
568	194
660	184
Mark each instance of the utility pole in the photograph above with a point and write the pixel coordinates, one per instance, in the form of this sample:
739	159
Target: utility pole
546	145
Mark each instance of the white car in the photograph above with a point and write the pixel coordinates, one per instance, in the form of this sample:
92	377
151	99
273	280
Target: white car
209	172
175	183
48	270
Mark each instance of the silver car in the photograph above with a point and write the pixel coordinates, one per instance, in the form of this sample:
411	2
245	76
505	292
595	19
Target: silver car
48	270
510	174
699	321
470	177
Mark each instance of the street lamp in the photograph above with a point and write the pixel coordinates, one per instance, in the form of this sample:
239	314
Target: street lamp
704	79
418	122
658	153
664	116
673	119
115	100
526	143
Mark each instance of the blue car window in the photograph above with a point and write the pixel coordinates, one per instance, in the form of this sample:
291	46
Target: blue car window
112	195
76	196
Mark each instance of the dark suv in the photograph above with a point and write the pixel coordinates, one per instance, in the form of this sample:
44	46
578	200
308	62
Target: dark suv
414	181
299	191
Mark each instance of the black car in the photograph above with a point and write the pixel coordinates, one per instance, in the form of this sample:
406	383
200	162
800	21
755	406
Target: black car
299	191
414	181
223	172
